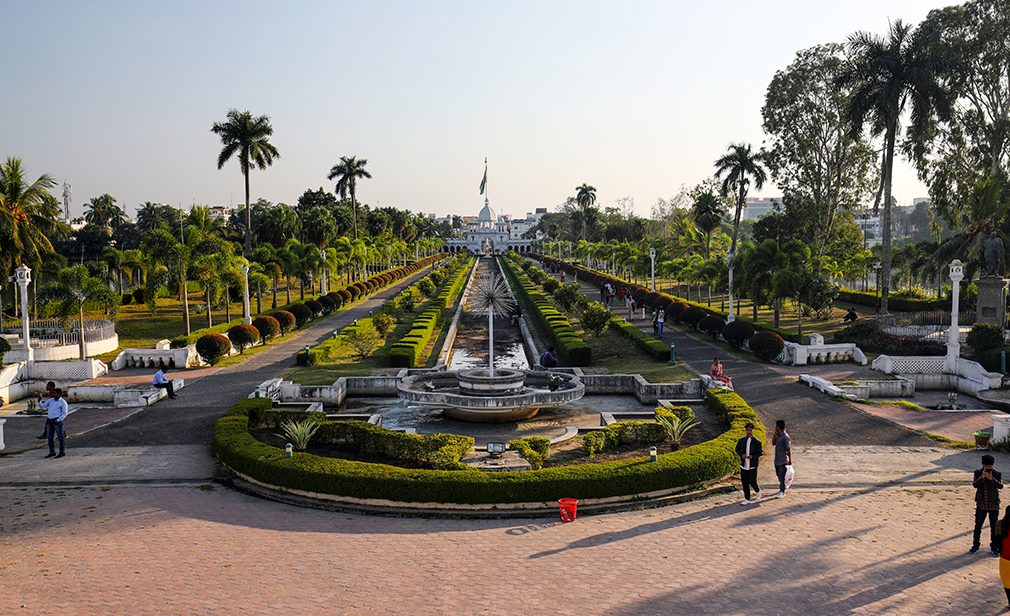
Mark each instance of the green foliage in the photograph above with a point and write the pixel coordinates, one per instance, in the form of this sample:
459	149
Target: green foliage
301	312
620	434
409	351
364	341
267	326
286	320
737	332
676	427
568	296
212	347
243	336
299	433
5	347
766	345
985	337
535	449
383	323
551	285
596	317
656	348
426	286
440	451
707	461
711	325
894	302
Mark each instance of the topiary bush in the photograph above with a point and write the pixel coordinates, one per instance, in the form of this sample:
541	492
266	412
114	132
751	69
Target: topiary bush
711	325
985	336
315	307
301	312
675	309
337	300
267	326
426	286
327	303
138	296
212	347
595	318
243	336
286	320
692	316
767	345
737	333
345	296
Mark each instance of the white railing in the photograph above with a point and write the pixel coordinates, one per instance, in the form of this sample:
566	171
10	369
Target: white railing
819	353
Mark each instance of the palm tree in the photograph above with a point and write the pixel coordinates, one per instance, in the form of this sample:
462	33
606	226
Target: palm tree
103	212
707	212
73	288
247	137
349	170
585	197
885	74
741	166
176	256
29	217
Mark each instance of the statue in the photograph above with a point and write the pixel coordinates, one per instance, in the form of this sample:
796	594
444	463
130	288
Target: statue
992	262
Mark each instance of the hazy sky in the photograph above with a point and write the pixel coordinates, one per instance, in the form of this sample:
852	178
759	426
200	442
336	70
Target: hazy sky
635	98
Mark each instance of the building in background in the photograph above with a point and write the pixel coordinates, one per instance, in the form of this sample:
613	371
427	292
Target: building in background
491	234
757	207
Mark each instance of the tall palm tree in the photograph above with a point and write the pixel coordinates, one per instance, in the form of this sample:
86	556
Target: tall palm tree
73	288
349	170
585	197
29	217
103	212
707	212
885	75
740	166
248	138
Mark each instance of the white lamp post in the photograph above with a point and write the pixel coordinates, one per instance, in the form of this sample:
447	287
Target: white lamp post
23	275
322	258
652	275
732	315
953	334
245	295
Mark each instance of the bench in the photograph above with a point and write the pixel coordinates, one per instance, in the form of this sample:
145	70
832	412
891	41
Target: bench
143	395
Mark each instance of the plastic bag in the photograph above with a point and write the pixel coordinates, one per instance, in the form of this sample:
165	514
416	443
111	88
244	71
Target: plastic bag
790	473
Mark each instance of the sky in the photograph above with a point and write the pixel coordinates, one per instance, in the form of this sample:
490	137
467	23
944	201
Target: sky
636	98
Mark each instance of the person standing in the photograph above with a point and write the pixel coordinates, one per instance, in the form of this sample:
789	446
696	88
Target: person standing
162	382
56	412
42	402
749	450
660	319
783	454
987	483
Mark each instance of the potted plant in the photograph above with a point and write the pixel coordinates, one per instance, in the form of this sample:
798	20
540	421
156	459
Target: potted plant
982	439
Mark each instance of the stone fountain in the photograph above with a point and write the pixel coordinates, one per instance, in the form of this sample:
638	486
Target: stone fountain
491	394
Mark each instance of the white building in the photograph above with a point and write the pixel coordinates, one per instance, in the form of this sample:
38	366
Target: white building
757	207
492	234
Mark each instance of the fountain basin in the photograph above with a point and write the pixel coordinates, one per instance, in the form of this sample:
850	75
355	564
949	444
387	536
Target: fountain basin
507	395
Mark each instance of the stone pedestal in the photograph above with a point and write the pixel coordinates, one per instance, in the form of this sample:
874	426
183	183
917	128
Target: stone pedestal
991	307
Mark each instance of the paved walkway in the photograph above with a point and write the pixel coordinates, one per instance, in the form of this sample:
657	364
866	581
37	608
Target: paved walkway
208	550
772	390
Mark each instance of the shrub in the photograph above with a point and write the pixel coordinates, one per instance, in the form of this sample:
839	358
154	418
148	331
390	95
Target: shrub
212	347
345	297
676	428
595	318
327	303
382	323
301	312
535	449
657	348
568	296
126	300
551	285
767	345
711	325
337	300
426	286
315	307
243	336
267	326
985	337
299	433
286	320
737	332
675	309
988	358
138	296
869	336
692	316
5	347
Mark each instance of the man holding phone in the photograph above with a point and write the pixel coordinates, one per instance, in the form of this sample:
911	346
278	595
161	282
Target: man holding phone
987	483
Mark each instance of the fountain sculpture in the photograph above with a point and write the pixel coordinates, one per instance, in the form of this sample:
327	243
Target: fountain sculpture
491	394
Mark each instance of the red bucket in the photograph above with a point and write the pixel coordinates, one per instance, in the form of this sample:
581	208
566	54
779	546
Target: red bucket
569	508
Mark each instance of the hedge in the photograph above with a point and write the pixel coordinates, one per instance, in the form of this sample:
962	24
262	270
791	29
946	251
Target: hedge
567	340
409	351
894	302
707	461
654	347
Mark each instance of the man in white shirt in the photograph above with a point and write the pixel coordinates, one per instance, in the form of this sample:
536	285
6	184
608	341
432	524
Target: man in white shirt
56	411
161	381
749	450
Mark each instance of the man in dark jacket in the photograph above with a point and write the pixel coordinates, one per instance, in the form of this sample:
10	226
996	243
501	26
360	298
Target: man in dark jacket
987	483
749	450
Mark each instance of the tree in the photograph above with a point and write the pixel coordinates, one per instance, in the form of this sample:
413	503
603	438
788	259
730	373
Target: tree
812	155
707	212
248	138
349	170
885	75
176	255
73	289
29	217
585	197
103	212
740	167
278	224
315	198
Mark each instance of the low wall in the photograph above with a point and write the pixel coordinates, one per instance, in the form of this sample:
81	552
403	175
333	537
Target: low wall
803	354
930	372
69	351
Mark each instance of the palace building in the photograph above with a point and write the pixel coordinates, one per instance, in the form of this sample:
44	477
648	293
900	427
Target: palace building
491	234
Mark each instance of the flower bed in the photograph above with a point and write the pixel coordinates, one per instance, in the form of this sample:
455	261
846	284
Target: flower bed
707	461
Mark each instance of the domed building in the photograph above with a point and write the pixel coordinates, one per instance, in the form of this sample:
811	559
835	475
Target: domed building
491	234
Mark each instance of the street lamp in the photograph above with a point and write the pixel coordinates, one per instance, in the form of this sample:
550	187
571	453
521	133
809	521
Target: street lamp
876	284
245	295
23	276
652	275
322	259
953	334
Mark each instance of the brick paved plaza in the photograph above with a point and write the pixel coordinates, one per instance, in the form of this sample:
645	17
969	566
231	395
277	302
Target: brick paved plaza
208	550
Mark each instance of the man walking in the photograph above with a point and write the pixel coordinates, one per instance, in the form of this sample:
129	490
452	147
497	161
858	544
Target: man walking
161	382
749	450
783	454
56	412
987	483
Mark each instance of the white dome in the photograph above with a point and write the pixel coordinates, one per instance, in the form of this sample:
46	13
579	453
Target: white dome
486	214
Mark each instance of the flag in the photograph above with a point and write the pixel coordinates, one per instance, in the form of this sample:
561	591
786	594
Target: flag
483	182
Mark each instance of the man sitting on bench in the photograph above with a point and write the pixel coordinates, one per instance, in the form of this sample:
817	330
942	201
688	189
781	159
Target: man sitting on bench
161	382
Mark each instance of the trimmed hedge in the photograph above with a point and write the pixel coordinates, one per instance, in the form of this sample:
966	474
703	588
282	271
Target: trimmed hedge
766	345
409	351
567	340
534	449
707	461
303	314
243	336
894	302
212	347
654	347
870	337
737	332
286	320
267	326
